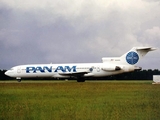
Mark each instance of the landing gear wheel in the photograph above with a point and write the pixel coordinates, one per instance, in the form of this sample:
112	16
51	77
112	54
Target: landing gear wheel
19	80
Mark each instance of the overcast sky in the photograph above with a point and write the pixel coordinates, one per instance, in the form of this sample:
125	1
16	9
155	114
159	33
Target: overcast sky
68	31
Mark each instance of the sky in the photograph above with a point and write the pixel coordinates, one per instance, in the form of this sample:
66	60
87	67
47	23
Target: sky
77	31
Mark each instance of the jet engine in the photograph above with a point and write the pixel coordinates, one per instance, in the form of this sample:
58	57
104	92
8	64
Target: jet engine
110	68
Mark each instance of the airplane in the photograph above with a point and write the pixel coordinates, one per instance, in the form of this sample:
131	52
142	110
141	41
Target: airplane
80	71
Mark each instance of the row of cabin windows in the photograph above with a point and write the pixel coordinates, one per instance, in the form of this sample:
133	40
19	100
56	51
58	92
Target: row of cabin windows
76	68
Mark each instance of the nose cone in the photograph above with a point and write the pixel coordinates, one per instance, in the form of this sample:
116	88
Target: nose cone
7	73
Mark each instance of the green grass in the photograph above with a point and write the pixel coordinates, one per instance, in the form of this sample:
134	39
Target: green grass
111	100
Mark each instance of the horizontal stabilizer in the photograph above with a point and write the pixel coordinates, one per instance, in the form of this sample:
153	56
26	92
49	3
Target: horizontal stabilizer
146	48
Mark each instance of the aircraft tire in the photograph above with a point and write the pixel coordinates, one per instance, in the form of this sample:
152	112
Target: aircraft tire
19	80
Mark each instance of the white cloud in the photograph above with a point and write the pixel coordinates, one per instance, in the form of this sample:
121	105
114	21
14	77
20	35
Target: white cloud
78	31
151	37
154	32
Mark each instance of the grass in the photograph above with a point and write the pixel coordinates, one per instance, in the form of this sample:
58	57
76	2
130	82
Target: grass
116	100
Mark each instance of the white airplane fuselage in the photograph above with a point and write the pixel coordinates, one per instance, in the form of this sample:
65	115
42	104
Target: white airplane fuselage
59	70
109	66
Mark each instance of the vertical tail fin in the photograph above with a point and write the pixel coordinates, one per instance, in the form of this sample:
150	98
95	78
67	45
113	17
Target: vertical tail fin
135	54
130	58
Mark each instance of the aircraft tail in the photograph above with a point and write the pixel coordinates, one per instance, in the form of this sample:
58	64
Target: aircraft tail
131	57
135	54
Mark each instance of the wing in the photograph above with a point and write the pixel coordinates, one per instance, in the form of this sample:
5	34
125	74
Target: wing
73	73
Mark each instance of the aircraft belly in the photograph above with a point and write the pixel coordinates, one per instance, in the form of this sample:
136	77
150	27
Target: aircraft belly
35	75
104	73
60	76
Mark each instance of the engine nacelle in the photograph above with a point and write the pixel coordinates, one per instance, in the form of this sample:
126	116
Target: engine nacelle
110	68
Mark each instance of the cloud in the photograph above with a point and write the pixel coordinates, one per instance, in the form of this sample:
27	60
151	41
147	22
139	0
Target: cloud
151	36
44	31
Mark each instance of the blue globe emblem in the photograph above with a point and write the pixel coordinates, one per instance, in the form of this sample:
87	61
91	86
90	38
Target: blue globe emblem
132	58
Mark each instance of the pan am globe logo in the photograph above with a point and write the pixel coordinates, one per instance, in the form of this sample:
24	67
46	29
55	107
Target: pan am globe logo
132	58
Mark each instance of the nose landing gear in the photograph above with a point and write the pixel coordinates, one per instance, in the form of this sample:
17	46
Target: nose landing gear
18	79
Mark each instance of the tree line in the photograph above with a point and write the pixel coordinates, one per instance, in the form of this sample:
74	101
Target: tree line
136	75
